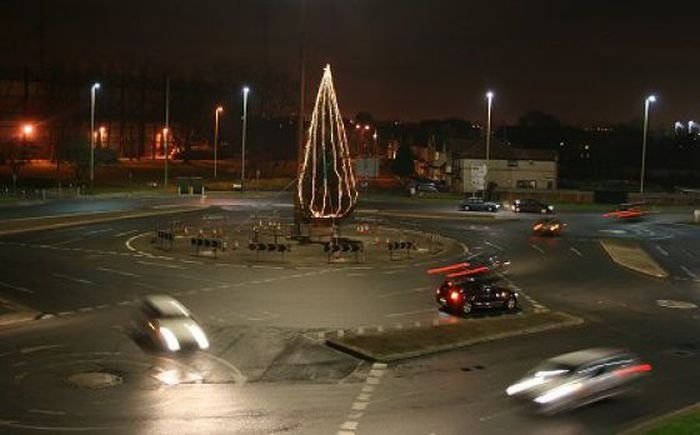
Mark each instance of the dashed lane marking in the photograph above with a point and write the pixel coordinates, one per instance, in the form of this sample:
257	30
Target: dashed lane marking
125	233
16	287
576	251
403	292
362	401
661	250
116	272
493	245
689	272
73	279
537	248
167	266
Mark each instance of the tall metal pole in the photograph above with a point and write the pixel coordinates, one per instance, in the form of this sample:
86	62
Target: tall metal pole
216	135
243	132
298	215
93	91
166	131
489	96
650	99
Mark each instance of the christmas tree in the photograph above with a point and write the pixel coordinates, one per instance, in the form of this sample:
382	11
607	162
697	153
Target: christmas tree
326	184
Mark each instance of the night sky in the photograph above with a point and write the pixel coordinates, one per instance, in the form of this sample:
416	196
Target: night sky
591	61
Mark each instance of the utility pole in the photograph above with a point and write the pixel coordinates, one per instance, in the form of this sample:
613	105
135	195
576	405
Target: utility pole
166	130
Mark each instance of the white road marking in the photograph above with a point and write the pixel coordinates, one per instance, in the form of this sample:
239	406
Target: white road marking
128	242
689	272
576	251
15	287
360	406
104	230
349	425
65	313
493	245
403	292
65	242
85	309
661	250
33	349
666	303
125	233
537	248
117	272
167	266
73	279
411	313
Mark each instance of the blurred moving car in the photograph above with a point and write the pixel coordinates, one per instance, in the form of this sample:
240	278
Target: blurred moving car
578	378
170	325
548	227
475	203
529	205
466	295
628	211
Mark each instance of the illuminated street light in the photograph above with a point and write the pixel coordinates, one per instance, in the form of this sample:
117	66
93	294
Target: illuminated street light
27	130
691	124
246	89
93	91
650	99
216	134
489	97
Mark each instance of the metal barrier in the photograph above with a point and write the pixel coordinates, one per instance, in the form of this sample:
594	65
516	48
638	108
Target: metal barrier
207	244
406	246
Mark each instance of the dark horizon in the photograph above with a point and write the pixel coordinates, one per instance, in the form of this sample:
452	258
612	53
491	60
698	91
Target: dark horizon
584	62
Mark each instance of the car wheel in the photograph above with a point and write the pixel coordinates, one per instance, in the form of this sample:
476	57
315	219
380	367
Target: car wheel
492	209
467	308
511	304
466	208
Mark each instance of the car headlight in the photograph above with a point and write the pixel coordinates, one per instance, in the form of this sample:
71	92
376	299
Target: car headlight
558	392
170	339
198	335
524	385
550	207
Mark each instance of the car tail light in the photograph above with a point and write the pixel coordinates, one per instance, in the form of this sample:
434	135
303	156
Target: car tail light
454	295
638	368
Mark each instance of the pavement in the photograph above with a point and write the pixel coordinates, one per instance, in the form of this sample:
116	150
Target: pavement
268	369
632	256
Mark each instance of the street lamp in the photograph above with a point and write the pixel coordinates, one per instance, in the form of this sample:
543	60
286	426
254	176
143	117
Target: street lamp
691	124
650	99
489	97
216	134
246	89
93	91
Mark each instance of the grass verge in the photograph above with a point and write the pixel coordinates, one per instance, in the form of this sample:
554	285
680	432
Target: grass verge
410	343
685	421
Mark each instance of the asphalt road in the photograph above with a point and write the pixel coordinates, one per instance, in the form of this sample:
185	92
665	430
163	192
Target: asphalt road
268	371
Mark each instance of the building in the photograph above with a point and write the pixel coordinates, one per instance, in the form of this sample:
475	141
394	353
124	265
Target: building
507	168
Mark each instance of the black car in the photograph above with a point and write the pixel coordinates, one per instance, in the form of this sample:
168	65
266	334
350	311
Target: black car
548	227
478	204
467	295
529	205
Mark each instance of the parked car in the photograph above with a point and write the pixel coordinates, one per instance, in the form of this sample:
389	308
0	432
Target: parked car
475	203
579	378
467	295
529	205
169	325
548	227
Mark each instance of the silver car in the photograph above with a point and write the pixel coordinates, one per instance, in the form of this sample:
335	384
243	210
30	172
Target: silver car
579	378
170	325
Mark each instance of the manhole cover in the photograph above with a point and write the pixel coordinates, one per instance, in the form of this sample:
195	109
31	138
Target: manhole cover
682	305
95	380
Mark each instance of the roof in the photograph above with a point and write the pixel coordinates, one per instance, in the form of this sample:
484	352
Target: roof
167	306
585	356
501	151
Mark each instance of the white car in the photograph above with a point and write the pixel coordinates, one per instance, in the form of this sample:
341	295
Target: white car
579	378
170	325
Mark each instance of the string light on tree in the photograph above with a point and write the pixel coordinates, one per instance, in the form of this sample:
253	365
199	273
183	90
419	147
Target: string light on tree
326	185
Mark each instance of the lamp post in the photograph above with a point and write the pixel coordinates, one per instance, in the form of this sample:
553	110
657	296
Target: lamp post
216	134
489	98
93	92
650	99
246	89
